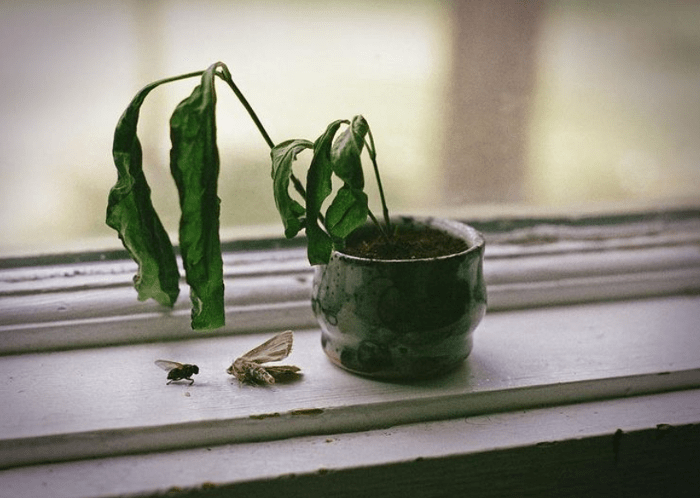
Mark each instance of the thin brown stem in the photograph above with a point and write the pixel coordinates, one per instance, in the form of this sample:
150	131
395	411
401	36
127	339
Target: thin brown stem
373	156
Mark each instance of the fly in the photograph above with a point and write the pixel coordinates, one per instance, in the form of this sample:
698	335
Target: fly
178	371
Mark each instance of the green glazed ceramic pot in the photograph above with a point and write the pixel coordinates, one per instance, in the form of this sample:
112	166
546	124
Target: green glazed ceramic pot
402	319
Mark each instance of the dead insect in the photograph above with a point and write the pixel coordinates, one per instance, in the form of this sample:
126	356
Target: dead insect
178	371
249	367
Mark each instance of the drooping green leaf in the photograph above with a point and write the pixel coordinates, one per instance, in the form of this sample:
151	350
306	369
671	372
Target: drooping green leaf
283	156
346	153
349	208
194	164
318	187
130	212
347	212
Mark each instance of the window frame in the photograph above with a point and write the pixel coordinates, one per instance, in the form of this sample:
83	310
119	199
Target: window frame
537	265
529	262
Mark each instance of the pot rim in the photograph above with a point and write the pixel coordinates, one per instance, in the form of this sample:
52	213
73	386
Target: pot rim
474	239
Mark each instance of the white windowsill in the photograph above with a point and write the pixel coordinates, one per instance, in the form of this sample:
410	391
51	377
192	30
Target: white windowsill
109	400
337	465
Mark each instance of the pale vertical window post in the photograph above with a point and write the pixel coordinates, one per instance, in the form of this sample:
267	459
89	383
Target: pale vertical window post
489	96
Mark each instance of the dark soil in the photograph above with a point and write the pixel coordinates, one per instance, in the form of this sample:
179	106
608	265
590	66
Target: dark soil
407	243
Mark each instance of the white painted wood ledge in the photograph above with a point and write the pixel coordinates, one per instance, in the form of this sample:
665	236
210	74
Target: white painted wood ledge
582	444
578	324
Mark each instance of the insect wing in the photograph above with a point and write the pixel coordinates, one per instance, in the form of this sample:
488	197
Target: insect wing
282	372
275	349
168	365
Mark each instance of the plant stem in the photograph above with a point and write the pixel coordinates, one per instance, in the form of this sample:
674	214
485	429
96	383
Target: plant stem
226	76
300	189
174	78
382	230
373	156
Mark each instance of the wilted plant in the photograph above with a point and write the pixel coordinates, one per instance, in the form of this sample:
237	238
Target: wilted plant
194	165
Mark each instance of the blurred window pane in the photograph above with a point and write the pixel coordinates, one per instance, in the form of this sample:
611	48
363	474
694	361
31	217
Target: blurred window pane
482	102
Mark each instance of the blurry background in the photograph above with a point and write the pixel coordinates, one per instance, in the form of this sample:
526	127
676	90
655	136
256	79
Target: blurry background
556	104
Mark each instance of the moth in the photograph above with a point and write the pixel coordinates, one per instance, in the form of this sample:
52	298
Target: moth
178	371
250	367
